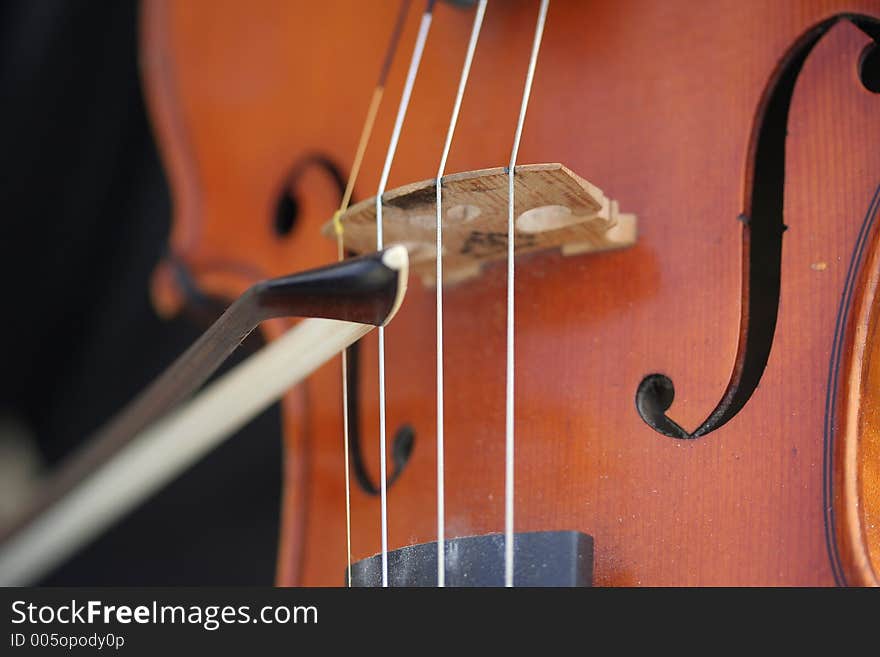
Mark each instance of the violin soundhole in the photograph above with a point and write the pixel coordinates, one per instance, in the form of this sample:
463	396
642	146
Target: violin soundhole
286	214
763	228
401	446
287	208
869	68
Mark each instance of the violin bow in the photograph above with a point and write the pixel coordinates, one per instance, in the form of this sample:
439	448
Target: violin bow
159	434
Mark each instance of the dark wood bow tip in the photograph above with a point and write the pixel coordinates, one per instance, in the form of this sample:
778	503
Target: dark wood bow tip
367	289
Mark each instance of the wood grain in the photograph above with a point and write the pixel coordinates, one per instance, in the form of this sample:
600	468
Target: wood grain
854	468
654	102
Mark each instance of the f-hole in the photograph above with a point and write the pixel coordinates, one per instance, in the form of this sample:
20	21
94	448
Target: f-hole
763	228
283	223
287	205
404	437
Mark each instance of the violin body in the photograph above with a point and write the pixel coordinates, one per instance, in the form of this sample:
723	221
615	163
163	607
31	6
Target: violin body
659	104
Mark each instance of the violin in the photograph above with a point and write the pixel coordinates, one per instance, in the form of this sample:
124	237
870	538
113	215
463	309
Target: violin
637	344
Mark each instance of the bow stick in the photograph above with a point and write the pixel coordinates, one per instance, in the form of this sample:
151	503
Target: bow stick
157	436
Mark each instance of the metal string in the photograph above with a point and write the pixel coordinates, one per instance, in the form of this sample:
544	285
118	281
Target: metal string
509	438
339	229
416	59
462	84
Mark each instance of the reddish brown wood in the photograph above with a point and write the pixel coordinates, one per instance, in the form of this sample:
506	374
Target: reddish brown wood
856	466
652	102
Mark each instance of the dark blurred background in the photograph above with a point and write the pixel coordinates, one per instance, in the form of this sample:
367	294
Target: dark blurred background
85	218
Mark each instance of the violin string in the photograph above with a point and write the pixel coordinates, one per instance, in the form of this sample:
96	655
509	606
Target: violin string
366	131
418	49
509	433
462	84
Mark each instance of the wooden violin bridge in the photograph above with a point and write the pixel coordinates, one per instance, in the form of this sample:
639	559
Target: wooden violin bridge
553	208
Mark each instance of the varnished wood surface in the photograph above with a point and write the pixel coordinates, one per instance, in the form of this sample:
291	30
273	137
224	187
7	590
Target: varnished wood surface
654	103
855	472
864	469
